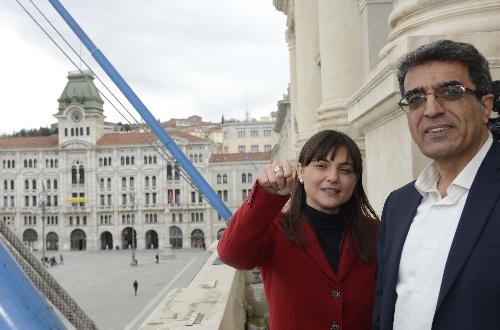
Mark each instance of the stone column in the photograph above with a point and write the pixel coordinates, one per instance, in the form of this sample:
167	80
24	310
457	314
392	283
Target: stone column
341	62
291	41
308	71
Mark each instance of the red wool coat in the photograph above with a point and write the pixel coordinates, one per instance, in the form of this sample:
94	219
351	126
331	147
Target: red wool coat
302	290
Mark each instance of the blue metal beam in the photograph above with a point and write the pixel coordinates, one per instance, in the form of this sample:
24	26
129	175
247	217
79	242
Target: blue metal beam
191	171
21	304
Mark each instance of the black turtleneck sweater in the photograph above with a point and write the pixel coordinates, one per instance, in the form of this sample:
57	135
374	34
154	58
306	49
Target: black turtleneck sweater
329	229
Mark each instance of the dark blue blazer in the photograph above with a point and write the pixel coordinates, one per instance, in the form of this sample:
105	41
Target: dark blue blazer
469	297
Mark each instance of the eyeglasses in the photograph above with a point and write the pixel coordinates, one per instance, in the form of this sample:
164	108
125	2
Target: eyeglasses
413	100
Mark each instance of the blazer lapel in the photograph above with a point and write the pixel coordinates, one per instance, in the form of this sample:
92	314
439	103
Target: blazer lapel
482	196
314	251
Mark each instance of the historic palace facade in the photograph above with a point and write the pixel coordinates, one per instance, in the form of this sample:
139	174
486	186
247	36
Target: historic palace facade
110	190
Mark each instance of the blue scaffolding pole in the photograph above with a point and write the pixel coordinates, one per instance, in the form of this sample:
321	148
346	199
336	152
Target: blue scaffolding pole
22	306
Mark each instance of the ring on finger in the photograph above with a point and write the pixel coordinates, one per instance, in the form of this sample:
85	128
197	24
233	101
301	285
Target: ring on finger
277	169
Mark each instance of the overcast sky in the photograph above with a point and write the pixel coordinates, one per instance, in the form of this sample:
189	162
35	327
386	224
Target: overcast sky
182	57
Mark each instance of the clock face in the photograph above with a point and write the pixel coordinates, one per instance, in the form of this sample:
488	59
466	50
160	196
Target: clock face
76	115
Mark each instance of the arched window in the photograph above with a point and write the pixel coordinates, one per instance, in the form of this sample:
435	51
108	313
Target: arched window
81	131
66	131
30	163
200	158
177	175
88	130
51	163
26	184
224	178
155	160
25	163
146	181
101	183
73	175
191	158
249	178
132	160
55	184
46	163
82	174
124	183
76	131
34	163
109	161
243	178
100	161
72	131
48	184
56	163
109	183
105	161
122	160
33	184
169	172
145	159
153	181
219	179
195	158
127	160
131	182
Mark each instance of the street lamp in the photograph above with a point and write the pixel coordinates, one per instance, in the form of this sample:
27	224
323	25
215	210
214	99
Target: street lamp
134	260
42	201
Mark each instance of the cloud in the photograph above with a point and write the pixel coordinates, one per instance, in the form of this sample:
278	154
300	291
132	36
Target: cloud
211	58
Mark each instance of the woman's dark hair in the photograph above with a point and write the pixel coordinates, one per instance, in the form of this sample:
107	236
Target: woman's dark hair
357	209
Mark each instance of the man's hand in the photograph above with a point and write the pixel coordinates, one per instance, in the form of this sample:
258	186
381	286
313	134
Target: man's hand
277	178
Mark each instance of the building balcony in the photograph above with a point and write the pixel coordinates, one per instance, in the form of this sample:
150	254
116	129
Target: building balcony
76	209
153	207
105	208
201	205
177	206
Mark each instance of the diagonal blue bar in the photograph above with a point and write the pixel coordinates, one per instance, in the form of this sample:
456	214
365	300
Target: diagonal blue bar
191	171
21	304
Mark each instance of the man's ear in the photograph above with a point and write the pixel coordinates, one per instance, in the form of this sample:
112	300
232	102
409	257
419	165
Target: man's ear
487	103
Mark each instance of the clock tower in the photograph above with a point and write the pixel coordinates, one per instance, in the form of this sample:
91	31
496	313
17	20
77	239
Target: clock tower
80	116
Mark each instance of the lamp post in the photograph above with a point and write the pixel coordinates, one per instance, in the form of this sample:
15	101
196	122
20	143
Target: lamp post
134	260
42	201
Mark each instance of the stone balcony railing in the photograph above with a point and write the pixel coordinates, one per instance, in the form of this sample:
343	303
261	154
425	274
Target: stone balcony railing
219	297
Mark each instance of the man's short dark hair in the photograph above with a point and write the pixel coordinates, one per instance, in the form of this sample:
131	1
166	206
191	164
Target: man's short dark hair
449	51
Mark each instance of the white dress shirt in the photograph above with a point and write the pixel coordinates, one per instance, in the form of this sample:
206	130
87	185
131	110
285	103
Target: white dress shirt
428	243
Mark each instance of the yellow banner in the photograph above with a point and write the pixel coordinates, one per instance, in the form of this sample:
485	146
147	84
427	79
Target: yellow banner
76	199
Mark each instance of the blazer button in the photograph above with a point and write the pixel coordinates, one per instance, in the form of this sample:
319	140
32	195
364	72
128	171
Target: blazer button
335	326
335	294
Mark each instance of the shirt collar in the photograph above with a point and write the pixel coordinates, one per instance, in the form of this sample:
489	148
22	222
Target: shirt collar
428	178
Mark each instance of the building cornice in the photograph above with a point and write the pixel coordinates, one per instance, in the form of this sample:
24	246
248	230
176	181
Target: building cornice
363	3
375	103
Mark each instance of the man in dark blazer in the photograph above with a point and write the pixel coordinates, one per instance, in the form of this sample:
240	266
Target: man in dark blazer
439	240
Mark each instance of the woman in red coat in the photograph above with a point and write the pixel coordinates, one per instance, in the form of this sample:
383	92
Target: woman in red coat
317	259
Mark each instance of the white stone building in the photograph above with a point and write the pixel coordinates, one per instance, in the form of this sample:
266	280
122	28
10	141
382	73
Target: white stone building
248	136
99	188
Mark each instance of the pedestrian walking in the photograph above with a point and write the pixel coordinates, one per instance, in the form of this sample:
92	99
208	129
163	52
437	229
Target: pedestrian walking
157	258
61	259
136	285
